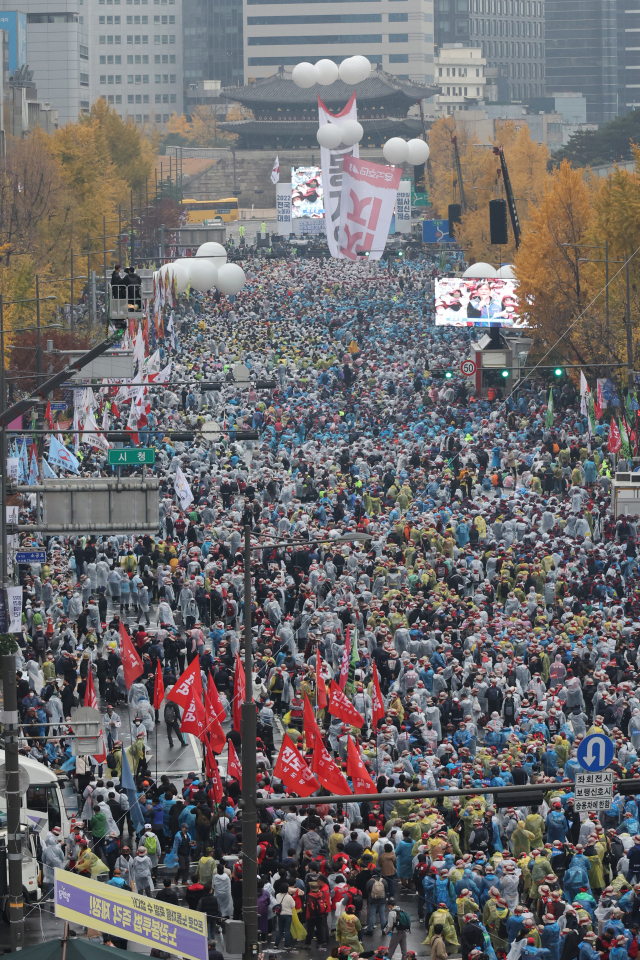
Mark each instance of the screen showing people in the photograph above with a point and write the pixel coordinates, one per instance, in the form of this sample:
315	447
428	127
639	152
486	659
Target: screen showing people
307	198
477	303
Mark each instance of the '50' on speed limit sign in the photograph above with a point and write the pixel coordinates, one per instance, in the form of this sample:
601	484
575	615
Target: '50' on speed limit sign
468	368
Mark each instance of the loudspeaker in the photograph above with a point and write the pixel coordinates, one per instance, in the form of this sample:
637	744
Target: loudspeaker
498	223
455	216
418	178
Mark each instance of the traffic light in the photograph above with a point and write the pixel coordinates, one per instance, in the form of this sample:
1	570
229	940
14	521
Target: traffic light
505	374
558	372
448	374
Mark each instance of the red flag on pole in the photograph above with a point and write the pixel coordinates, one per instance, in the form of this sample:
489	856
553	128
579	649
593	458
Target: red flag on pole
327	772
344	666
48	415
158	688
217	738
238	694
309	724
293	771
90	699
377	703
193	718
322	687
598	405
216	704
234	767
188	685
214	774
131	662
614	443
341	706
362	782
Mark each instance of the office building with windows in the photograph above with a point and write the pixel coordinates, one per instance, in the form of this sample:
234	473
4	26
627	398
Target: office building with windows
396	34
510	34
57	51
213	42
137	57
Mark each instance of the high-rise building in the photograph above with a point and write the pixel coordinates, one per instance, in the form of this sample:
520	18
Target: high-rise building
57	51
398	34
628	55
510	34
213	42
460	72
582	45
136	48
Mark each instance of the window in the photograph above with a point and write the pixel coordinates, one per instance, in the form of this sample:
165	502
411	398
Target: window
323	18
118	78
118	58
52	18
129	38
172	58
439	71
156	38
130	98
145	78
172	78
138	98
103	60
165	116
398	58
398	17
130	58
103	78
118	98
165	98
398	38
117	38
129	78
145	58
321	39
158	98
462	27
145	98
102	38
158	78
158	115
172	19
165	78
172	38
100	19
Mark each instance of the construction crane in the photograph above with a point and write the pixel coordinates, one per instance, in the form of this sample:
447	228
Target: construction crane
511	200
456	155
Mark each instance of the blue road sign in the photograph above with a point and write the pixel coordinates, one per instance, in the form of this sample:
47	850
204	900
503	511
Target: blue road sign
595	752
58	405
31	556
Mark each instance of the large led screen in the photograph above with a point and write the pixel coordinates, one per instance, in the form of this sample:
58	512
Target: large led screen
307	199
477	303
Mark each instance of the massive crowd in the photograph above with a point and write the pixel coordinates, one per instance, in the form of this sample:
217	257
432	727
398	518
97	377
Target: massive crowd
487	590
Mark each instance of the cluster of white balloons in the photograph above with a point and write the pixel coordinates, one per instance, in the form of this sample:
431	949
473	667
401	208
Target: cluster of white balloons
332	135
485	271
352	70
398	151
208	269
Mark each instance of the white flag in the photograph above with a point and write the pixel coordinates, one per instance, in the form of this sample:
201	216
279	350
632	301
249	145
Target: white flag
182	489
275	173
584	393
164	374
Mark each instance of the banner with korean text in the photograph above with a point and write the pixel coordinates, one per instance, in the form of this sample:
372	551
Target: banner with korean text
283	208
144	920
332	168
368	198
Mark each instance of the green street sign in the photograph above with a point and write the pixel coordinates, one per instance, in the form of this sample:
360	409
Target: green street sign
131	455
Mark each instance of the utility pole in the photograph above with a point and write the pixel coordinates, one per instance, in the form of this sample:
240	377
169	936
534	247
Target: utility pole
162	242
12	769
249	810
94	304
71	304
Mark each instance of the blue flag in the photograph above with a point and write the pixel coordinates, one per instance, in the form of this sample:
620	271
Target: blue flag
127	781
33	470
23	464
47	471
61	457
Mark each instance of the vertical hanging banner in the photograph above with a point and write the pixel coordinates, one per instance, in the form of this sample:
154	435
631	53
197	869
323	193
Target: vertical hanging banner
403	207
283	208
14	604
332	162
368	198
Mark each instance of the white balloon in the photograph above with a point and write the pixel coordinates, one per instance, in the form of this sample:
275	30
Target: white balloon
361	68
230	278
395	151
348	71
417	152
204	274
506	272
304	75
181	270
213	251
480	271
351	132
329	135
327	72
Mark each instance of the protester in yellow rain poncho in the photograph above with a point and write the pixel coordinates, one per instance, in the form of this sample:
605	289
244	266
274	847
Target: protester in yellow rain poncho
442	916
135	754
348	930
88	864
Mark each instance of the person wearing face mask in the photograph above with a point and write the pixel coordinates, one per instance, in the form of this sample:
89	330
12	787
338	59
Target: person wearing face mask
141	873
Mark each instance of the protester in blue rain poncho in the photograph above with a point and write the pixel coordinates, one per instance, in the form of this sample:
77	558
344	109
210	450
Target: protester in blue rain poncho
557	826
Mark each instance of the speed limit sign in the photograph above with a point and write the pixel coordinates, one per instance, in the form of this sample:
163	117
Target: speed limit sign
468	368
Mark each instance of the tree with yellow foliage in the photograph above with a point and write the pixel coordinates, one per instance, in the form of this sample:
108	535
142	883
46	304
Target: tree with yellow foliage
555	287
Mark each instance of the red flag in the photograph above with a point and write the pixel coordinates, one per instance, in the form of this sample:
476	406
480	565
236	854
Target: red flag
309	724
238	695
217	738
341	706
216	704
344	666
293	771
214	774
234	767
598	405
187	685
362	782
90	699
322	687
114	409
377	702
193	718
327	772
48	415
158	688
131	662
615	440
